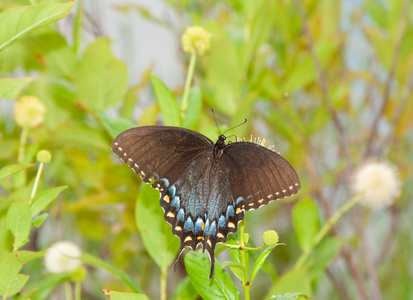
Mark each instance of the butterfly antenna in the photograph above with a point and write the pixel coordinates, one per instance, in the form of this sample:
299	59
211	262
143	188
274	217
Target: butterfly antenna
215	119
245	121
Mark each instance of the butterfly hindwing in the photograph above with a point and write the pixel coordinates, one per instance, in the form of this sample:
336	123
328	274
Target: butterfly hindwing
200	206
259	174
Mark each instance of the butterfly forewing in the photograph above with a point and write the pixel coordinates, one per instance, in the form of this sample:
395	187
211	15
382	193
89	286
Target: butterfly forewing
158	151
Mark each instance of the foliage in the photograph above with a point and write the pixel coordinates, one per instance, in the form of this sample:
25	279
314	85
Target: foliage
331	85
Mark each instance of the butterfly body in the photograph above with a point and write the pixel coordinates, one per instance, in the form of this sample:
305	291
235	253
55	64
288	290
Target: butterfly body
205	187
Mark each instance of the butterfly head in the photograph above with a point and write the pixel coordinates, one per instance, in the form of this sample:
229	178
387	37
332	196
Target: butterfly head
219	145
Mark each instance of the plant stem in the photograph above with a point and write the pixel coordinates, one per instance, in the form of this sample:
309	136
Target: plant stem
247	248
36	182
326	228
78	286
22	147
68	291
190	75
164	271
246	285
77	28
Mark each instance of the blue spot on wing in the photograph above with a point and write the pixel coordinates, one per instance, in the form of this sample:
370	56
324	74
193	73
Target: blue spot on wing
176	203
172	190
230	211
198	226
165	181
181	215
189	225
213	229
206	229
221	222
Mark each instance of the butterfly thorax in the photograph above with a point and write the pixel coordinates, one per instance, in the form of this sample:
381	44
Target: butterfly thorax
219	146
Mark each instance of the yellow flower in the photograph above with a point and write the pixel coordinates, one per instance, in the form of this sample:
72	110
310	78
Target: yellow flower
378	182
62	257
196	40
29	111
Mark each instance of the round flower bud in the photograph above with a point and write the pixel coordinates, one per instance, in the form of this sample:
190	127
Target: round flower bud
62	257
78	274
270	238
378	182
29	111
44	156
196	40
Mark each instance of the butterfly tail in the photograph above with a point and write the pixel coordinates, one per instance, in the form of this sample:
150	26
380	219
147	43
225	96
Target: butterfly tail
209	247
175	264
212	258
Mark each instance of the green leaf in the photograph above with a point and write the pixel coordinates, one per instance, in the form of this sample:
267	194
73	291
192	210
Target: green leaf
38	220
19	219
101	79
133	94
82	138
306	222
9	269
237	269
15	23
124	296
193	111
234	252
197	265
26	256
115	125
44	198
260	261
9	170
321	257
45	284
53	51
184	291
18	282
291	296
300	76
294	281
171	112
98	263
155	232
27	296
11	87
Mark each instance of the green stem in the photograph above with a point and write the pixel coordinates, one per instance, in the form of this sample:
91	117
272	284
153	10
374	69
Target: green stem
78	286
326	228
246	248
77	28
164	271
246	285
23	142
191	68
68	291
36	182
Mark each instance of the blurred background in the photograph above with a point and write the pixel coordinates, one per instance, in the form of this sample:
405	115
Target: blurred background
328	83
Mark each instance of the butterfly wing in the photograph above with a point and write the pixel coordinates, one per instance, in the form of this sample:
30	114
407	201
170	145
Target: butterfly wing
259	175
158	152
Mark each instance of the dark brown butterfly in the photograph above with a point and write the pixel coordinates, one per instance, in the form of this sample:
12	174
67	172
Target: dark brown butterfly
205	187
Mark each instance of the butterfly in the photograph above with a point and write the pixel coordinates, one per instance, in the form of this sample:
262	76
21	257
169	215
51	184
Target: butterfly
205	187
